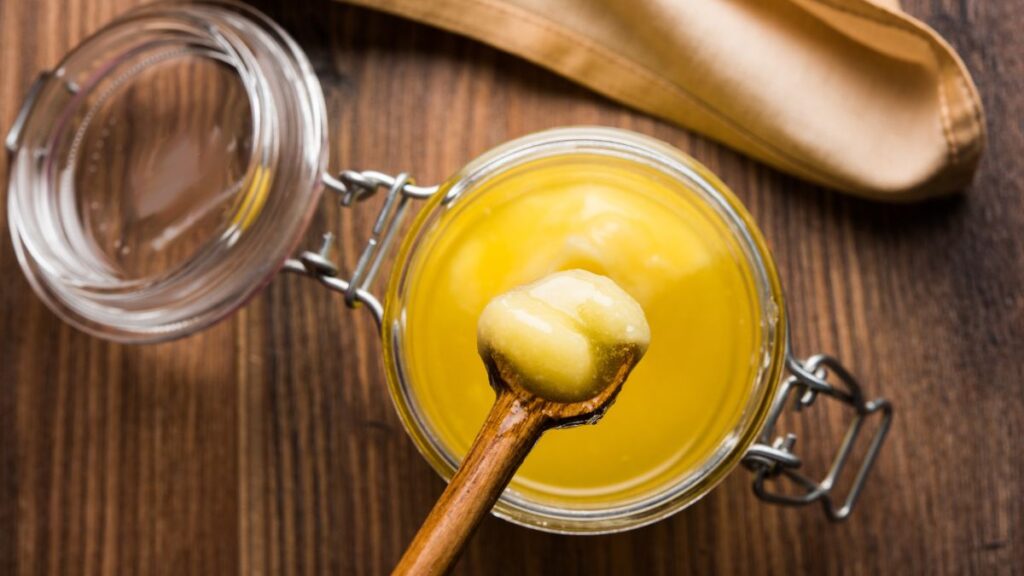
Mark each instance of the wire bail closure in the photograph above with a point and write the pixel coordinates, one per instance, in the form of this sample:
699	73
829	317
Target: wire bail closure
353	187
770	458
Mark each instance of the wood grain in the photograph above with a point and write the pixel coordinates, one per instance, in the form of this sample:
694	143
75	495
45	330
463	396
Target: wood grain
268	444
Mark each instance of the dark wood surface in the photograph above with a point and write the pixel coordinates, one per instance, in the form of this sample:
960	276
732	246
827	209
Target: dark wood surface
268	444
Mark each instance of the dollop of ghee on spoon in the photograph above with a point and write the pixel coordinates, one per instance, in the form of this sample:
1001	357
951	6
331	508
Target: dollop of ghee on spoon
565	334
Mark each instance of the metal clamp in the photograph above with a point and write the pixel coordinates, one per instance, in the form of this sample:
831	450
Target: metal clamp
355	187
770	458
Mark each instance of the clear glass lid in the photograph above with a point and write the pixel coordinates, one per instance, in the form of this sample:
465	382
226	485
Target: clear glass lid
166	169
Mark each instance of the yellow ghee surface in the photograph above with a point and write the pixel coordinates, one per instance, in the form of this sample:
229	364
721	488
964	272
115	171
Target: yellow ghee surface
658	241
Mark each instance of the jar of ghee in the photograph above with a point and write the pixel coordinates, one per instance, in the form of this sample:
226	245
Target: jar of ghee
662	227
137	258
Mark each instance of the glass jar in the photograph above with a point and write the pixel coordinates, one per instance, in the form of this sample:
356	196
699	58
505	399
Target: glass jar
167	169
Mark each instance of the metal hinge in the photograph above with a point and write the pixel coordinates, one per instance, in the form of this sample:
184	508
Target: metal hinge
774	457
355	187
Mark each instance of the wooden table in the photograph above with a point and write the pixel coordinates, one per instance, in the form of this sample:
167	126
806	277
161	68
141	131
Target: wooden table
268	444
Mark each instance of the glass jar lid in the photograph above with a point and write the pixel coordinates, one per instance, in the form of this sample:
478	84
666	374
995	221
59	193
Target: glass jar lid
166	169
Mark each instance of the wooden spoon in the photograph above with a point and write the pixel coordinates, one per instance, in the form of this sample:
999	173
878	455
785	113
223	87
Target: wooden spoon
516	420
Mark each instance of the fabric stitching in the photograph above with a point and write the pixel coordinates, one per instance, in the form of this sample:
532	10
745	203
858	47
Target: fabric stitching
968	95
947	124
946	113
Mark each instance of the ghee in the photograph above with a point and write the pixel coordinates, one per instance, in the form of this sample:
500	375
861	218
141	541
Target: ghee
652	236
564	335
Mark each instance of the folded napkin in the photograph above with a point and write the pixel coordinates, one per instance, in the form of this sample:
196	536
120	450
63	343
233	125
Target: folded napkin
852	94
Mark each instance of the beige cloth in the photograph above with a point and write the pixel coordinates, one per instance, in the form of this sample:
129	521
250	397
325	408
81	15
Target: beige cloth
852	94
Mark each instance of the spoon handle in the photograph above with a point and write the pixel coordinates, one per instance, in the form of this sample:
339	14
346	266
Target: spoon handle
500	447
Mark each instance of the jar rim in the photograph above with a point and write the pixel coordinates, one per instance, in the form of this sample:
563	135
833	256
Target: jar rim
279	185
687	489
